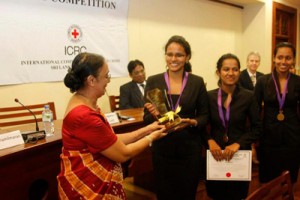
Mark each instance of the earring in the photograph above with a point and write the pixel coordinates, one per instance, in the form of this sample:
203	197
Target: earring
187	61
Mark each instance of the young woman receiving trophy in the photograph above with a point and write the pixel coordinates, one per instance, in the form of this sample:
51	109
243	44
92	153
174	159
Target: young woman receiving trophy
178	99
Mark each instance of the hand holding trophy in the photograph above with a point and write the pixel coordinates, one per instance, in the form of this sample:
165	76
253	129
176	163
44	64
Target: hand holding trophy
169	118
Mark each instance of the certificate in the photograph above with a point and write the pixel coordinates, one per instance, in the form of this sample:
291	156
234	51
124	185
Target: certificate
239	168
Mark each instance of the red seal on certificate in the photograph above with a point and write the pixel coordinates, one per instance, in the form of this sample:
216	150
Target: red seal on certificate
228	174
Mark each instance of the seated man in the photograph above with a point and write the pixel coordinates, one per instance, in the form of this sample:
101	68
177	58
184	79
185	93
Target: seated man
250	75
132	93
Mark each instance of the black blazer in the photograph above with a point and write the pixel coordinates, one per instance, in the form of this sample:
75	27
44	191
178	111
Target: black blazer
243	107
193	102
194	105
131	96
245	80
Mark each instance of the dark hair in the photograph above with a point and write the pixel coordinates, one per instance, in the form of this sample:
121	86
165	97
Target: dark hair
187	48
284	44
225	57
83	65
132	65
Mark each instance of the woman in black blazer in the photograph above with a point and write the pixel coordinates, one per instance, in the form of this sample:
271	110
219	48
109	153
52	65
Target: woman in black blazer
177	158
231	108
279	92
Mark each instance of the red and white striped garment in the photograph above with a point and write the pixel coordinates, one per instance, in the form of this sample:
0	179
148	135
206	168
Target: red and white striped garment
85	172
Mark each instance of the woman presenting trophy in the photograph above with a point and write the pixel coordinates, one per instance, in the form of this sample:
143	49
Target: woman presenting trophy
182	95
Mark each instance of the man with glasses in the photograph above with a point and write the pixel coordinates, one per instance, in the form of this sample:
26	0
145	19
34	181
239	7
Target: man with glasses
132	93
250	75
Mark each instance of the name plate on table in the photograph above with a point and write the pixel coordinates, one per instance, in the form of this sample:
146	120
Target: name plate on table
112	118
239	168
10	139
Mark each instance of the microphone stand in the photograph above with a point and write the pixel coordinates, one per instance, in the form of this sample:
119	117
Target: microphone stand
32	136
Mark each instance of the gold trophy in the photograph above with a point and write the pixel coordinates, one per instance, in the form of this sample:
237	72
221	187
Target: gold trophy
170	119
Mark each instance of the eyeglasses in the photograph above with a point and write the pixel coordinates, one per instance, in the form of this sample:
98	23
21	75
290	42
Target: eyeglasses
108	76
176	55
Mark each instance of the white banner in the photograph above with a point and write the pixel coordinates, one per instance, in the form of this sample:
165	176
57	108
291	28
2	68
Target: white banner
40	38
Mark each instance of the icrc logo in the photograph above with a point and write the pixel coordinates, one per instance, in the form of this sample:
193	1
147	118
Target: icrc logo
74	33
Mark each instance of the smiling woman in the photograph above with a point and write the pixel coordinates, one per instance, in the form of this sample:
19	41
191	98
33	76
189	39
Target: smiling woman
280	93
230	107
184	93
92	152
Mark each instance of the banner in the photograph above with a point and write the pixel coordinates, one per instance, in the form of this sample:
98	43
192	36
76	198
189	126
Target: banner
40	38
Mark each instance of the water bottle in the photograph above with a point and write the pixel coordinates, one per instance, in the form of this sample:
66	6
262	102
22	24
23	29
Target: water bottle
47	116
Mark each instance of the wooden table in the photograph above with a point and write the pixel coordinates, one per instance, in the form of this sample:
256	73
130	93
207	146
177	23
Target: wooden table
22	165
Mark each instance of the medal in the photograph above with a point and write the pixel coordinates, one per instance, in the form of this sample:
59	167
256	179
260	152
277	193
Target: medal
225	138
280	116
224	119
281	100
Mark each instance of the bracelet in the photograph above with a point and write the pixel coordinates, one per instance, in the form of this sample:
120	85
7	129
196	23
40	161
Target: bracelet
149	139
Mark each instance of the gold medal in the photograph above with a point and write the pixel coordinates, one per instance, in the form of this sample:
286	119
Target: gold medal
280	116
225	138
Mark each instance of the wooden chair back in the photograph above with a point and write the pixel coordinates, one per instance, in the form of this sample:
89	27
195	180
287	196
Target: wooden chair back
279	188
11	116
114	102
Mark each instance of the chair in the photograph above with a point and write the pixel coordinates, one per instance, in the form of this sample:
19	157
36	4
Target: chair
11	116
114	102
279	188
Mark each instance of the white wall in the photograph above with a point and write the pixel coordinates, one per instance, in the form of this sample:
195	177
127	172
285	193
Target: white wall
257	34
212	29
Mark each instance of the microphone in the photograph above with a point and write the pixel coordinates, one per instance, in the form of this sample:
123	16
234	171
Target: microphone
35	135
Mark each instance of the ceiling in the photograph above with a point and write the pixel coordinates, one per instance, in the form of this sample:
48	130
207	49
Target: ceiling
241	2
244	2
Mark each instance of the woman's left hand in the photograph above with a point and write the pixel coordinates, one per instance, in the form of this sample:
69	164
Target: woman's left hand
230	150
191	122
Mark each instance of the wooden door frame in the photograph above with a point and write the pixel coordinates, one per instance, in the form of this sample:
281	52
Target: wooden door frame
293	36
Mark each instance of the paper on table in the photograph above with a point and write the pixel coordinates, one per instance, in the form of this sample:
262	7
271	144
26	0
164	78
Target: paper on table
11	139
237	169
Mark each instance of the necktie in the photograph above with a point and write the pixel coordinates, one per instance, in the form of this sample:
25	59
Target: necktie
253	79
142	85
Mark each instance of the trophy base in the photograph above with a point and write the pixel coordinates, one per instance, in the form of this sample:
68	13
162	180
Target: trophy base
175	125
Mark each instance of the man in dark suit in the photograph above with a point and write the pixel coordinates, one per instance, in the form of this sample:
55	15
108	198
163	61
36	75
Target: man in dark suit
247	80
250	75
132	93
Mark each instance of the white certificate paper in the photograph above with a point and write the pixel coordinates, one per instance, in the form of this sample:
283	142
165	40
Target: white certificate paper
237	169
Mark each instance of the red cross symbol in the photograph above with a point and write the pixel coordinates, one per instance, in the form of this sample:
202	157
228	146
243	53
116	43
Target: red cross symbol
75	33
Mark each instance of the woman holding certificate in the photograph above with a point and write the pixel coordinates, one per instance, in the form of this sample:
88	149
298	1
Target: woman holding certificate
177	157
279	92
232	110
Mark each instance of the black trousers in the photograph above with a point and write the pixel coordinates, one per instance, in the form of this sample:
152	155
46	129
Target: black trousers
227	190
176	178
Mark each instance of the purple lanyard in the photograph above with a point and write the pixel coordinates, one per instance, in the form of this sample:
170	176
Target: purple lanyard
281	100
221	114
182	88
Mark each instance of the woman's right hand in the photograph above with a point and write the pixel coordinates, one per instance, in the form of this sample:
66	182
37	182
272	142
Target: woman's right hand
154	126
155	135
215	150
151	109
